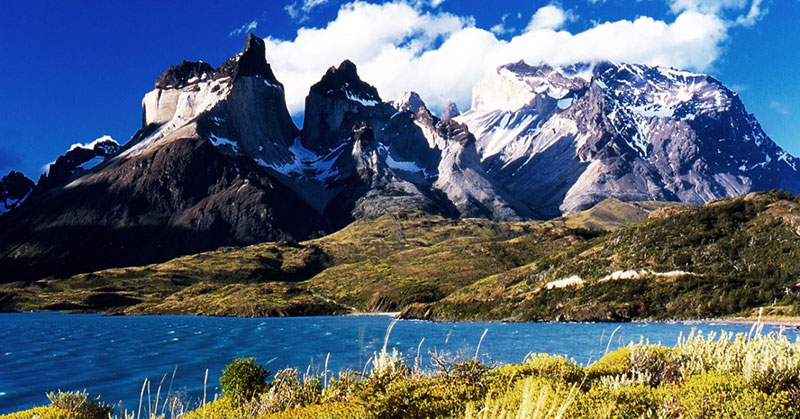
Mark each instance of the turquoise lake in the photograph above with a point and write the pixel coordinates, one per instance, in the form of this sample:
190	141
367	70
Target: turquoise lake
111	356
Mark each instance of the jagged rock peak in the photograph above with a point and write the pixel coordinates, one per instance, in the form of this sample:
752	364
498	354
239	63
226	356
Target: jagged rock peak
185	73
410	102
252	61
450	111
14	188
451	130
75	160
345	79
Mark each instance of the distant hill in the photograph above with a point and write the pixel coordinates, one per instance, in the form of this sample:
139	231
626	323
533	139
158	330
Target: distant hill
725	258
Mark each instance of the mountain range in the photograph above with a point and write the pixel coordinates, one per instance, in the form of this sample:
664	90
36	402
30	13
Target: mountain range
218	160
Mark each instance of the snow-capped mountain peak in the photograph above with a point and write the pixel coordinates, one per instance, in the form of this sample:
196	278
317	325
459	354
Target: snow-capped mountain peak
623	130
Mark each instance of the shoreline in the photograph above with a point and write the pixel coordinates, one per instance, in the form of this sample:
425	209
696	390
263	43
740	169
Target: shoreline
393	314
789	322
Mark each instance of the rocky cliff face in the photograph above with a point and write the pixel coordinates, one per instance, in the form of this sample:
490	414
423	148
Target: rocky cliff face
239	106
413	158
189	180
563	139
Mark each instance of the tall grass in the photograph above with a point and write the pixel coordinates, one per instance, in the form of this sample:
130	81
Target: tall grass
535	404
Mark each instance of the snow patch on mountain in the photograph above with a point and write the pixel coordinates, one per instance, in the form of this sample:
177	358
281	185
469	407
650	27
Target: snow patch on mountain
307	164
224	143
408	166
105	142
365	102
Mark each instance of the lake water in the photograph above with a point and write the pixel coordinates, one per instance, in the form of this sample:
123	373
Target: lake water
111	356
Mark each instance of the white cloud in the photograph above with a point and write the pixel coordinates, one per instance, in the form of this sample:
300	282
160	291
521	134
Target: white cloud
755	9
247	27
502	28
739	88
549	17
399	47
754	14
780	107
300	10
429	3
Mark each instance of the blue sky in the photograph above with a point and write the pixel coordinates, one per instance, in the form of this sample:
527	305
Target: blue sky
74	71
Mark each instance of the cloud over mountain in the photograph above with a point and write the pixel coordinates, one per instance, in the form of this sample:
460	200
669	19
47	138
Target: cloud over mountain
401	46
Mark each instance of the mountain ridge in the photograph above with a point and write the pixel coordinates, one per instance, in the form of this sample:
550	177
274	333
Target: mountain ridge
218	160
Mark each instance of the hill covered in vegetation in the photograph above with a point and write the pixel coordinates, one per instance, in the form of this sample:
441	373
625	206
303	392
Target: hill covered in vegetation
617	261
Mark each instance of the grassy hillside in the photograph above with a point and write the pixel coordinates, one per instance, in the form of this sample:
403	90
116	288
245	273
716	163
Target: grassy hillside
277	278
727	257
618	261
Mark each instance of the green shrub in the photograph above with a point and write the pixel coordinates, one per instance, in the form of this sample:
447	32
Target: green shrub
79	403
425	396
769	362
42	412
338	410
712	395
629	401
612	363
221	409
555	366
242	379
533	397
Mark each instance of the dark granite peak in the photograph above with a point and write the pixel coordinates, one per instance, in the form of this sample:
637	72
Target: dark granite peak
14	188
181	74
69	164
252	61
345	77
455	131
450	111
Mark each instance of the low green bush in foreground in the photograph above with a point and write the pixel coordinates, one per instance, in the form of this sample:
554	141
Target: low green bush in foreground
713	376
67	405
